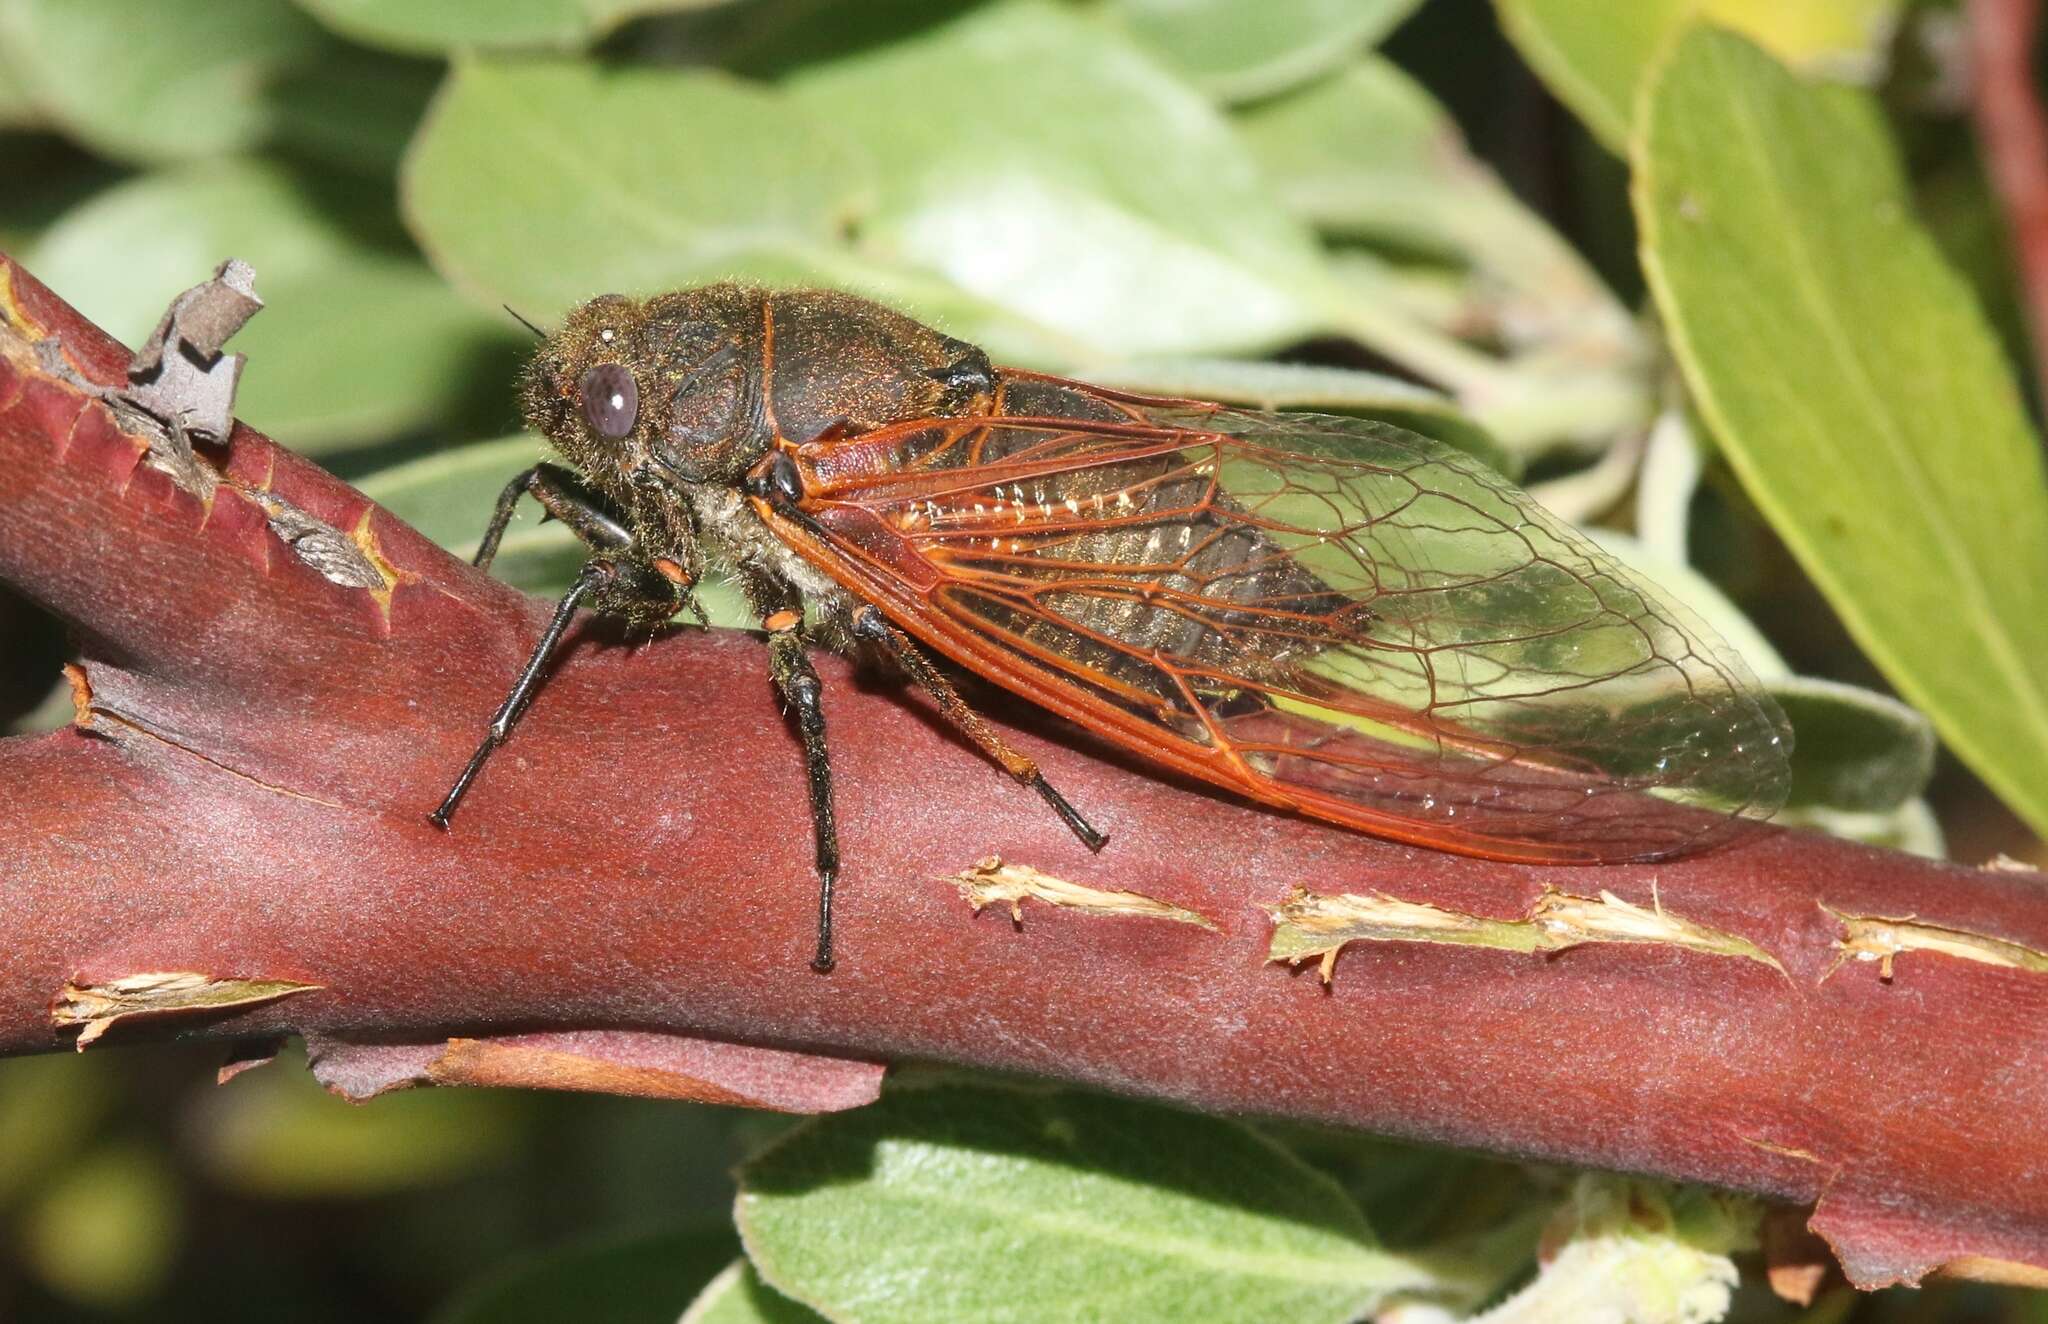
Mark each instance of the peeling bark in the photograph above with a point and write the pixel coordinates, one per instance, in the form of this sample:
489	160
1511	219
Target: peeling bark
245	798
997	882
1312	926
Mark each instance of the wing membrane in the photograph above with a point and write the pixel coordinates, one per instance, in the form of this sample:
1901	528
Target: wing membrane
1325	613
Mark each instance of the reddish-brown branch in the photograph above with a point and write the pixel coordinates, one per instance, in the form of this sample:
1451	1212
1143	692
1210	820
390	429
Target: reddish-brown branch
2014	134
630	884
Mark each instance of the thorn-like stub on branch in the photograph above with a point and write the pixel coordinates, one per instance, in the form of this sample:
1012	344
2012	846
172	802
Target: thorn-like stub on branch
1311	925
991	881
1883	939
92	1008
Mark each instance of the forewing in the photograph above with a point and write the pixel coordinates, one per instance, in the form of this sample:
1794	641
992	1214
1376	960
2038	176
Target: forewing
1329	613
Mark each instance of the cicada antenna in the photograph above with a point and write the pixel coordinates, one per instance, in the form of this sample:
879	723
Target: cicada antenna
537	332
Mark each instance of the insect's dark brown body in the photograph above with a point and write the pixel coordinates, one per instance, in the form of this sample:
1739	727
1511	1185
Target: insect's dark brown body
1329	615
747	370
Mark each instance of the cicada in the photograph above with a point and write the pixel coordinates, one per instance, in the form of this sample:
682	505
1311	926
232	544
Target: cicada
1328	615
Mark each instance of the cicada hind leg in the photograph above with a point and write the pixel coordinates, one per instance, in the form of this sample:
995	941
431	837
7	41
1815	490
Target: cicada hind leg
870	625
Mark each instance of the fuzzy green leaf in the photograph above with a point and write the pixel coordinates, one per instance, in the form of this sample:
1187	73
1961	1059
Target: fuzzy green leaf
738	1296
1855	750
1071	181
546	182
1856	389
968	1201
1368	154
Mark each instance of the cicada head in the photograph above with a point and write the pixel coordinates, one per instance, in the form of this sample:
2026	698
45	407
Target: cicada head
655	394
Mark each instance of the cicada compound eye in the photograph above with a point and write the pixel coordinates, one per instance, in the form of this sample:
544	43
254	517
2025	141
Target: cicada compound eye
611	400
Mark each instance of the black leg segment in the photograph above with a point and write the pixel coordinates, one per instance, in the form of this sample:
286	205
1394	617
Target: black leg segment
871	625
595	575
798	683
566	497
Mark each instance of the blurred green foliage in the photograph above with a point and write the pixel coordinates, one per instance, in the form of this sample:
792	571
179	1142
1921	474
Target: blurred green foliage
1361	206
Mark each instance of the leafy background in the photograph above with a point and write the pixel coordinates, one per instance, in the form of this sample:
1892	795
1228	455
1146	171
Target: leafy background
1795	404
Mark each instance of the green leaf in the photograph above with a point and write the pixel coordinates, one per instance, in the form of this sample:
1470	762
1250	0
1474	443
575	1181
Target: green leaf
738	1296
356	109
1855	750
1591	53
545	183
1856	390
1070	181
1277	386
440	26
1594	53
448	495
971	1201
1369	154
1239	52
1912	827
151	81
358	341
615	1280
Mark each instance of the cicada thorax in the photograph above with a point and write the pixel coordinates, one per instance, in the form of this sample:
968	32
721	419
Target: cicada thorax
720	375
1106	565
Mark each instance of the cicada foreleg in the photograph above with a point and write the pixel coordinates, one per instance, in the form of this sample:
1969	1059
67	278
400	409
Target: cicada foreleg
565	497
870	625
596	575
612	581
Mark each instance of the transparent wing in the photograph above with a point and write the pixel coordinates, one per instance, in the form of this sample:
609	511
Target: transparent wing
1327	613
